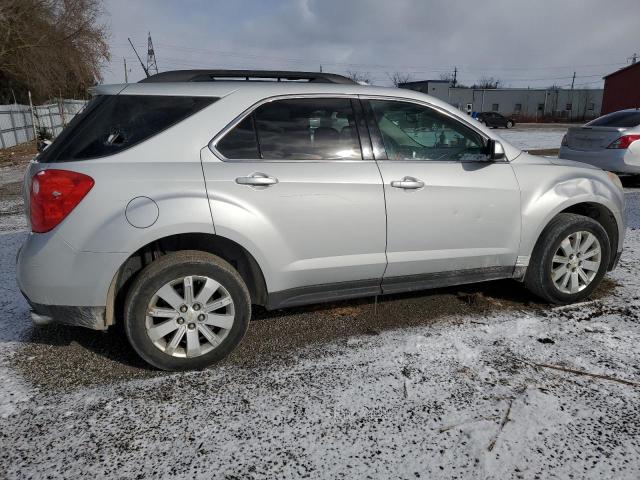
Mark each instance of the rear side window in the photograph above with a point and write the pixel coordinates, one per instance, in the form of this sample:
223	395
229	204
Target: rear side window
111	124
618	119
296	129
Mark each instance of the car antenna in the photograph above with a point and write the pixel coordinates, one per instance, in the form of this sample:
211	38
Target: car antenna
146	72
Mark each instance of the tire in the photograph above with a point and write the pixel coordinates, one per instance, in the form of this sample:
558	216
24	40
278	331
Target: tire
207	332
543	265
509	124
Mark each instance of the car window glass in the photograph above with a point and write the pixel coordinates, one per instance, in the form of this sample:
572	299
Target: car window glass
617	119
307	129
415	132
112	124
241	142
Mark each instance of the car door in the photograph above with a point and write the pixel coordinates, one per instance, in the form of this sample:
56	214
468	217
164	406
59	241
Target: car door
289	183
452	216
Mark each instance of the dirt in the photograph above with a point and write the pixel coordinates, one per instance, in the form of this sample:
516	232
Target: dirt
18	155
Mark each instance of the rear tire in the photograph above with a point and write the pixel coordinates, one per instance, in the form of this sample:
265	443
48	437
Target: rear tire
186	310
509	124
569	259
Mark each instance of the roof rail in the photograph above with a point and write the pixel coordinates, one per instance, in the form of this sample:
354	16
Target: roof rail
244	75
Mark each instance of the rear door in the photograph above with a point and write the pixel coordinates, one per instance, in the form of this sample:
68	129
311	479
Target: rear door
289	182
452	215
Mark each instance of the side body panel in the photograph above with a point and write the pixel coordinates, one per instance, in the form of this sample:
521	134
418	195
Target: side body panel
323	222
549	187
467	216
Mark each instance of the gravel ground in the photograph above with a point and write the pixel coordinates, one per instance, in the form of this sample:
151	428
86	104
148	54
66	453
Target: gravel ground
443	384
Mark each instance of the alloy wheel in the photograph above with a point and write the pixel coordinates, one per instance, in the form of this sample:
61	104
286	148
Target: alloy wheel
189	316
576	262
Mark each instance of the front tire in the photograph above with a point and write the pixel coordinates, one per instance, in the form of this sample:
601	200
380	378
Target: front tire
509	124
569	259
186	310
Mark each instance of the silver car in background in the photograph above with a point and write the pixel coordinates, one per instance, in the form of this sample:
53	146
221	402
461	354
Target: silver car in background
610	142
174	205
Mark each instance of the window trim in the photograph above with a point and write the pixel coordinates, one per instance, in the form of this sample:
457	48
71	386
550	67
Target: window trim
213	143
438	109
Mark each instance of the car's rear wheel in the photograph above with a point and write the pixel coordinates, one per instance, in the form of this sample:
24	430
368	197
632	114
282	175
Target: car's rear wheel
186	310
509	124
569	260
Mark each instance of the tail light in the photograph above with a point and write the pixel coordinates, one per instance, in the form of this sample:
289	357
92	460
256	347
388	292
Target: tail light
564	141
624	141
54	193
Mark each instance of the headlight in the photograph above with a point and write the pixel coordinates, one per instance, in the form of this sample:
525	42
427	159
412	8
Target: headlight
615	179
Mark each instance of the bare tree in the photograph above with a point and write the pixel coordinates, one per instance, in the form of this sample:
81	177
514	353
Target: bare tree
398	78
51	46
488	83
359	77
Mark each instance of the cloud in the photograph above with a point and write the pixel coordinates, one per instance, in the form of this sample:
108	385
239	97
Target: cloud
523	43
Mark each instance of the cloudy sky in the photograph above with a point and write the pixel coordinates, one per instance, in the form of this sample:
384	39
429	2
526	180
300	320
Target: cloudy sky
523	43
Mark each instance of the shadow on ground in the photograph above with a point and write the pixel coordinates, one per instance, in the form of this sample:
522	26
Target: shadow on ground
65	358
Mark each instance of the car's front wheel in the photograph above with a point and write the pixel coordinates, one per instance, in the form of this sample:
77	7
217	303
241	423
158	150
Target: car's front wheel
509	124
186	310
569	260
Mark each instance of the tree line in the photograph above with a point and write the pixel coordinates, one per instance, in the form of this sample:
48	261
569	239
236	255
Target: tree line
50	47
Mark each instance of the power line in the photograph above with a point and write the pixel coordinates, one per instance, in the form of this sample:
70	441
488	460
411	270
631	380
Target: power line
387	67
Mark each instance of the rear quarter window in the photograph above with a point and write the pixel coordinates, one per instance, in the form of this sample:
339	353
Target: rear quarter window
111	124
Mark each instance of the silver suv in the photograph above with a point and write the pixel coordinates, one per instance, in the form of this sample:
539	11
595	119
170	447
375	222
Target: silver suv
175	204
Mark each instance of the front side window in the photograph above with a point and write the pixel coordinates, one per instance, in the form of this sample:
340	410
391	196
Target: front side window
296	129
111	124
415	132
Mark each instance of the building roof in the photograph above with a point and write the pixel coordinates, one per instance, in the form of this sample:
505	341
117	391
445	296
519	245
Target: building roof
623	69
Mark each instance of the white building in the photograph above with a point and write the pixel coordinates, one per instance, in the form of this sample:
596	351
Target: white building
527	104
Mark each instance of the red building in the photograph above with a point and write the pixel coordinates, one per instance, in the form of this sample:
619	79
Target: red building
622	89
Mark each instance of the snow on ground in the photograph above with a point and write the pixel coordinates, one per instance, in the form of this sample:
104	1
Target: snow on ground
535	137
465	397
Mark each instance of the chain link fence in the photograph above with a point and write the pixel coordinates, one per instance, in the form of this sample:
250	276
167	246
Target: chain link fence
16	124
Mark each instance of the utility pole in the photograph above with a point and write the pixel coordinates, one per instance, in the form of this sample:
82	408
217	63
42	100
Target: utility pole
320	68
455	76
152	66
126	77
573	80
146	72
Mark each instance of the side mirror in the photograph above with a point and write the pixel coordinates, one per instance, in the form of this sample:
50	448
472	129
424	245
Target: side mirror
495	150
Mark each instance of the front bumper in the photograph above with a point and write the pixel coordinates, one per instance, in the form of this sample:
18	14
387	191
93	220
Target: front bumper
618	161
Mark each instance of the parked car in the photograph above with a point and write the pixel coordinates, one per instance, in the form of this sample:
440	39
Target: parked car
175	204
610	142
495	120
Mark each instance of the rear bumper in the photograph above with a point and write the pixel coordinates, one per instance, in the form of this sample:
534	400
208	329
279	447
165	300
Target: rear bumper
88	317
619	161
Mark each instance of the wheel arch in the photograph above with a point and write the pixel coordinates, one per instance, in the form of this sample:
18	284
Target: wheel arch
234	253
596	211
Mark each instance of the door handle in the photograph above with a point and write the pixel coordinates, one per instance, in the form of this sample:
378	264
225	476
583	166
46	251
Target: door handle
409	183
257	179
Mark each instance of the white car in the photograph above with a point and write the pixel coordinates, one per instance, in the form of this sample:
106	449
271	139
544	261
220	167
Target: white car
175	204
611	142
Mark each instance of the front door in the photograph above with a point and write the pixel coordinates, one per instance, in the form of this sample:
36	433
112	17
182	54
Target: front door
289	183
451	214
